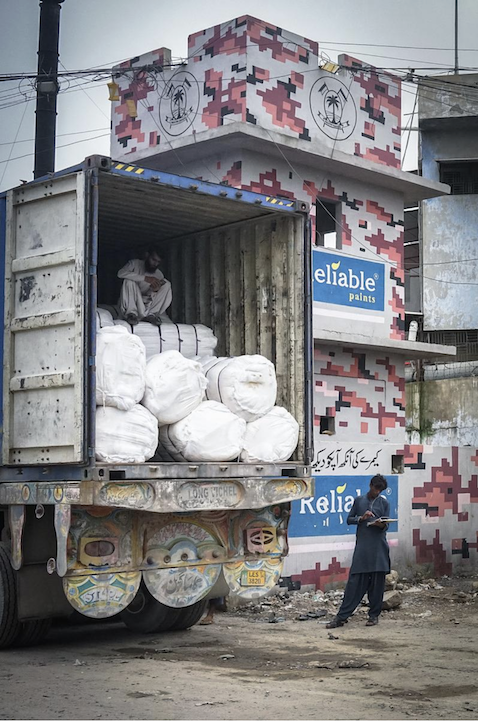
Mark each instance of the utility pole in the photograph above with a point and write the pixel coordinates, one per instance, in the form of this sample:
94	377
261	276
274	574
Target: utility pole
47	87
456	38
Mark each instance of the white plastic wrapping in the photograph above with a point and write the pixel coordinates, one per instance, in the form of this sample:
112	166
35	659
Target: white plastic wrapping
104	319
246	384
125	436
210	433
120	368
174	386
272	438
124	324
189	340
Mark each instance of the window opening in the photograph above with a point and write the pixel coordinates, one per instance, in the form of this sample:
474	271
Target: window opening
327	219
462	177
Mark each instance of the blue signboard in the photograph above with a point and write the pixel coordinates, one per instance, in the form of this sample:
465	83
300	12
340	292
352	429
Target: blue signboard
352	282
325	514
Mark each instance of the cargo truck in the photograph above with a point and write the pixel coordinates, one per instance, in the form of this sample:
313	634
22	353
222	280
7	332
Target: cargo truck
148	541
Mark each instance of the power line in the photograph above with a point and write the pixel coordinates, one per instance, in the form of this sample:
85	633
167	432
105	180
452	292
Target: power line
402	47
11	149
61	135
66	145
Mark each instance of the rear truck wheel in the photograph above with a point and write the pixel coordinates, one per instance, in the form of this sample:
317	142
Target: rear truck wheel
189	616
146	615
33	632
9	624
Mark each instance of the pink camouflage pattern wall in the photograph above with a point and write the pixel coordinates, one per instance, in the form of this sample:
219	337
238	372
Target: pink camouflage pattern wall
251	71
248	73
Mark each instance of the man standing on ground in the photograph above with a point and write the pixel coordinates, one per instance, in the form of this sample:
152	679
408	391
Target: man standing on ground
371	559
145	293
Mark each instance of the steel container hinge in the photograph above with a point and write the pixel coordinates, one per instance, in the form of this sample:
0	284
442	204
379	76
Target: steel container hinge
91	452
91	360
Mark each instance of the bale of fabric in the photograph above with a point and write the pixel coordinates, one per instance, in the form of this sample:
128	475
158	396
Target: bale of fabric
120	368
125	436
272	438
104	319
190	340
124	324
210	433
174	387
246	384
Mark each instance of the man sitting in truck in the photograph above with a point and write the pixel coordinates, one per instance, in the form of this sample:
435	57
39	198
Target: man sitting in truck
145	294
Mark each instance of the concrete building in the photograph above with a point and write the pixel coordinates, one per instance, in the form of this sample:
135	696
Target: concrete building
256	107
443	250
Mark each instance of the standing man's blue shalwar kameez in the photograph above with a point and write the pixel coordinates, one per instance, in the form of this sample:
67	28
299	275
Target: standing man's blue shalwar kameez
371	559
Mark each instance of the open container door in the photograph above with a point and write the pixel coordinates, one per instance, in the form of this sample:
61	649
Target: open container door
44	360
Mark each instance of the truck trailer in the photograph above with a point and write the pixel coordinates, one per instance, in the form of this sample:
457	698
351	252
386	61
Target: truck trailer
150	541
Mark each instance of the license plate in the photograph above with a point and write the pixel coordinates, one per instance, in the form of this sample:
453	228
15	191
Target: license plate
253	578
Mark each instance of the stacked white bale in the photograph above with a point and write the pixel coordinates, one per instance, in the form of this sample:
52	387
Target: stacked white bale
175	386
210	433
104	319
124	324
125	436
246	384
120	368
190	340
272	438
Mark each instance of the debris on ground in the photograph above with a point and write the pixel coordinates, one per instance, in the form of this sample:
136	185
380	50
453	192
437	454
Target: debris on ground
417	598
391	599
391	580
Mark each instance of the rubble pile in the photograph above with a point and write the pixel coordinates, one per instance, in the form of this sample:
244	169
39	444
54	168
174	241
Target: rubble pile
403	599
293	606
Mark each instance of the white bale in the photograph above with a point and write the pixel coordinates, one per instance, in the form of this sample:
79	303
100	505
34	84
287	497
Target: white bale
189	340
210	433
120	368
272	438
174	386
123	324
246	384
125	436
104	319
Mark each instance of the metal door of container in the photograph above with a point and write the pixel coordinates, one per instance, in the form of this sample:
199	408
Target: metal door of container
44	358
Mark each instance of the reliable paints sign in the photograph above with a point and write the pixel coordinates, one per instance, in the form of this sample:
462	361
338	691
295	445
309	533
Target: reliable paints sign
325	514
352	282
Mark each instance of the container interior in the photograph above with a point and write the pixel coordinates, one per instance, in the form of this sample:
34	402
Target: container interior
237	268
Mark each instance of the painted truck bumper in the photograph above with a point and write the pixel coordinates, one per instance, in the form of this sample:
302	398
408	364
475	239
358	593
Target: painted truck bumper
111	535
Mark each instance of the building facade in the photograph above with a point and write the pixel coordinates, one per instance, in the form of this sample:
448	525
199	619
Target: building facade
256	107
442	397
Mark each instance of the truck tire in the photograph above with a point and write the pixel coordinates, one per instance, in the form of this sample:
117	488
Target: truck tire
9	623
189	616
147	615
32	632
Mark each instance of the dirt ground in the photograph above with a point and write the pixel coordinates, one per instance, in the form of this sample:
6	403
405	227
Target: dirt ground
420	662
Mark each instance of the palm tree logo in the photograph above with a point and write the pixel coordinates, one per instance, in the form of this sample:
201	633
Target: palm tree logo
333	108
179	103
332	102
179	98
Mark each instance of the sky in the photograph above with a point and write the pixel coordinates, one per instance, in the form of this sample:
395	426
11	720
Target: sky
101	33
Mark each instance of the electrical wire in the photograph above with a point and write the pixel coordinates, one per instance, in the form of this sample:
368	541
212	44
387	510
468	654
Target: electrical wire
13	144
65	145
88	96
60	135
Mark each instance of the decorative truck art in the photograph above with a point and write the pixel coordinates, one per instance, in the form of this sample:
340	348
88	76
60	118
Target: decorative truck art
149	537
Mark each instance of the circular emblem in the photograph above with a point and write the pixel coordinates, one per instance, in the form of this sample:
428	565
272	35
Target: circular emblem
333	108
179	103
